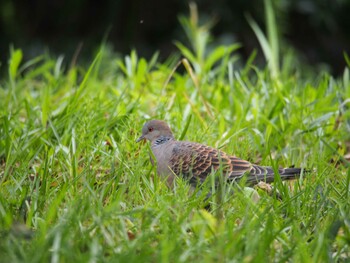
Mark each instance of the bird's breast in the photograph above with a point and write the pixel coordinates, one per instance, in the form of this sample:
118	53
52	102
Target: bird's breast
163	154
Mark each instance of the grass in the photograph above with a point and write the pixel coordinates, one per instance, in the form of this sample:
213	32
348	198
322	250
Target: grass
75	187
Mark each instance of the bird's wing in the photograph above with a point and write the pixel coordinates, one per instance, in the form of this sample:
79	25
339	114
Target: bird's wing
193	160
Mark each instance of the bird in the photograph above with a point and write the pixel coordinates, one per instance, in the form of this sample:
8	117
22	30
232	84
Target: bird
195	162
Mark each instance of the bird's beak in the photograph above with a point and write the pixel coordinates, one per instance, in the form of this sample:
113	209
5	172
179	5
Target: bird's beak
140	138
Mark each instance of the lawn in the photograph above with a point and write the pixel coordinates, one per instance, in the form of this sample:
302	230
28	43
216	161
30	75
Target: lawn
75	187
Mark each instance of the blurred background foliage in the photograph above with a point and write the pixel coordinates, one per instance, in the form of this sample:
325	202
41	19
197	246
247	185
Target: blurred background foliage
317	30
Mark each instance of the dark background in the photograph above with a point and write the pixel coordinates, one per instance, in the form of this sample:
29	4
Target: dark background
318	29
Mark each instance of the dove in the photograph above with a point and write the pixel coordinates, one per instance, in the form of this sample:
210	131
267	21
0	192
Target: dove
195	162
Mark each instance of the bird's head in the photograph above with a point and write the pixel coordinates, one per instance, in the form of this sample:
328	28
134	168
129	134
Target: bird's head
154	129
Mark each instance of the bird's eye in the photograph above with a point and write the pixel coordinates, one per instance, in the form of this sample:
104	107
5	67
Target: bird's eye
150	129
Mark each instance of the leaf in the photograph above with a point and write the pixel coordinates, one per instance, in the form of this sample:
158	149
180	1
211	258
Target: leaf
186	128
265	45
45	105
261	37
272	35
185	52
347	59
218	54
204	224
15	60
346	77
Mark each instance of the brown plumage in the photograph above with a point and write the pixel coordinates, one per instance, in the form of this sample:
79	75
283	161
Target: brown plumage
194	161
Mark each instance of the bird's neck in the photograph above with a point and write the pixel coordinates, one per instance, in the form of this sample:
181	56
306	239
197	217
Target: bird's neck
162	140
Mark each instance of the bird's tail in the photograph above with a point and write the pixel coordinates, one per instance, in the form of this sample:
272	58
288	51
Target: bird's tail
267	175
